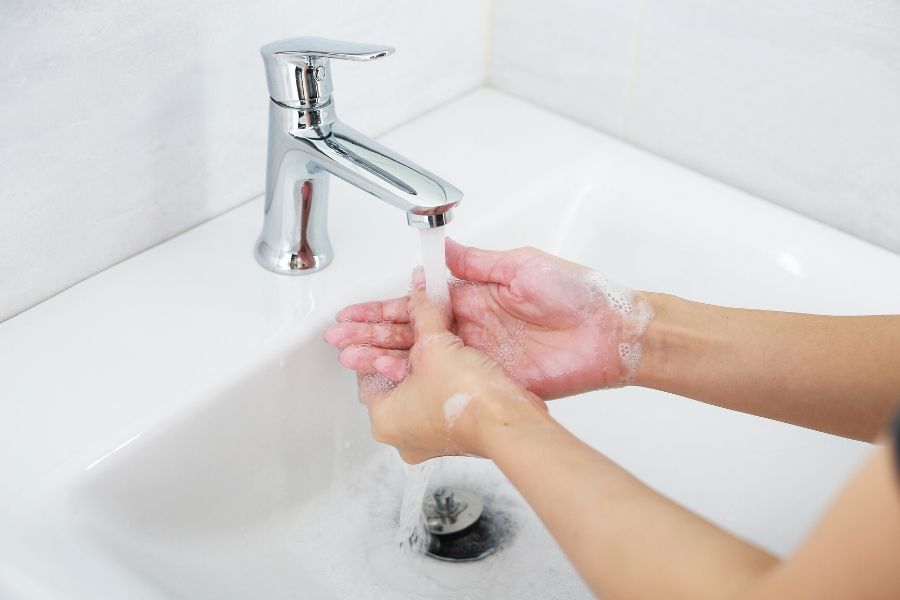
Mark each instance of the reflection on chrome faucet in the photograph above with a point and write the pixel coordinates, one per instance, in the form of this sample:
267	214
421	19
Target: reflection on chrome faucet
307	142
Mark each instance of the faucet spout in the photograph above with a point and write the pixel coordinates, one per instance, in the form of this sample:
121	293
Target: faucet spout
307	143
427	199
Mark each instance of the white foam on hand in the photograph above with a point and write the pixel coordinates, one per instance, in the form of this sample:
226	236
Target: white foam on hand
454	406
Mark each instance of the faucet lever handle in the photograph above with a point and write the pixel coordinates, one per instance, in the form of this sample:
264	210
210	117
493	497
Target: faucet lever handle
324	47
298	71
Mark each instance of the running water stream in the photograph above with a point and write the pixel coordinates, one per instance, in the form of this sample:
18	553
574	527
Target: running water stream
434	261
411	532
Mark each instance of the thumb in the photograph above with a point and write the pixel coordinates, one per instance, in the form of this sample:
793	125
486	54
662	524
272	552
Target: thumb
427	316
485	266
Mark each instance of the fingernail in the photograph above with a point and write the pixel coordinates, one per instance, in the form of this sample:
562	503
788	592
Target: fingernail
337	315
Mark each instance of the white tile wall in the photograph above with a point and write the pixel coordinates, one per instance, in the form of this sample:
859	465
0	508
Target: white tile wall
125	123
573	56
798	102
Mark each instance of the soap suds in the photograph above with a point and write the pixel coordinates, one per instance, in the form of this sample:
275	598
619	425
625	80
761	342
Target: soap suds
617	296
344	540
454	406
377	384
645	313
635	312
631	358
507	347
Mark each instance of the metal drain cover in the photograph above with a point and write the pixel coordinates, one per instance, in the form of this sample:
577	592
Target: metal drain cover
450	510
458	526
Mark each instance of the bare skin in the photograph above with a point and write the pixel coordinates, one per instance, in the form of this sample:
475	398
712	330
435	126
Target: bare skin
494	396
540	316
837	374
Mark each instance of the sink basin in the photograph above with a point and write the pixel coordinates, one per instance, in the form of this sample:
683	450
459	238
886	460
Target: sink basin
176	427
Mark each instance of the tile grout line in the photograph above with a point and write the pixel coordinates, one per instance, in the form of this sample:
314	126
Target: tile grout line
636	44
489	42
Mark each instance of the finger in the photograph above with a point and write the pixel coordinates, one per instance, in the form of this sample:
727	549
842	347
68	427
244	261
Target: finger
427	317
394	310
361	358
383	335
486	266
470	302
394	368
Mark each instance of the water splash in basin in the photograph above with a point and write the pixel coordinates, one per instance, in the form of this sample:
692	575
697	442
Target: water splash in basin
347	538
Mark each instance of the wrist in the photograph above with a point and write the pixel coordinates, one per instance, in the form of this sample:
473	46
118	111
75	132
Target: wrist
673	344
506	417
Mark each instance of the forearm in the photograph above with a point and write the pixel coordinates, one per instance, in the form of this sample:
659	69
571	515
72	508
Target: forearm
626	540
834	374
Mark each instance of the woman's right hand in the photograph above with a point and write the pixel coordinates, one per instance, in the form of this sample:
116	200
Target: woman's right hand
452	400
555	326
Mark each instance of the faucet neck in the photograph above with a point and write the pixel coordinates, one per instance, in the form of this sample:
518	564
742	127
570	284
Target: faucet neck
303	122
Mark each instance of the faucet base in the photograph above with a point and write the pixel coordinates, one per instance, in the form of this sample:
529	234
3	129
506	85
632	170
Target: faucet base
284	262
294	238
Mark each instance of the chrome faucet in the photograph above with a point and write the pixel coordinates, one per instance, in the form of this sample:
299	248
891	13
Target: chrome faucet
307	142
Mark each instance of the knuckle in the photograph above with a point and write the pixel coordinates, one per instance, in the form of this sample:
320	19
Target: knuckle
395	310
399	337
385	335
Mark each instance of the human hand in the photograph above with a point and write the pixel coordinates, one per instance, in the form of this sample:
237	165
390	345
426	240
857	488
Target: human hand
555	326
450	397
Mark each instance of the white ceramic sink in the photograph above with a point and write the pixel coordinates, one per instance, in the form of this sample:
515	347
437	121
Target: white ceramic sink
176	427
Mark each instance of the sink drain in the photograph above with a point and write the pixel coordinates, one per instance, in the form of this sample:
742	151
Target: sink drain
459	527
